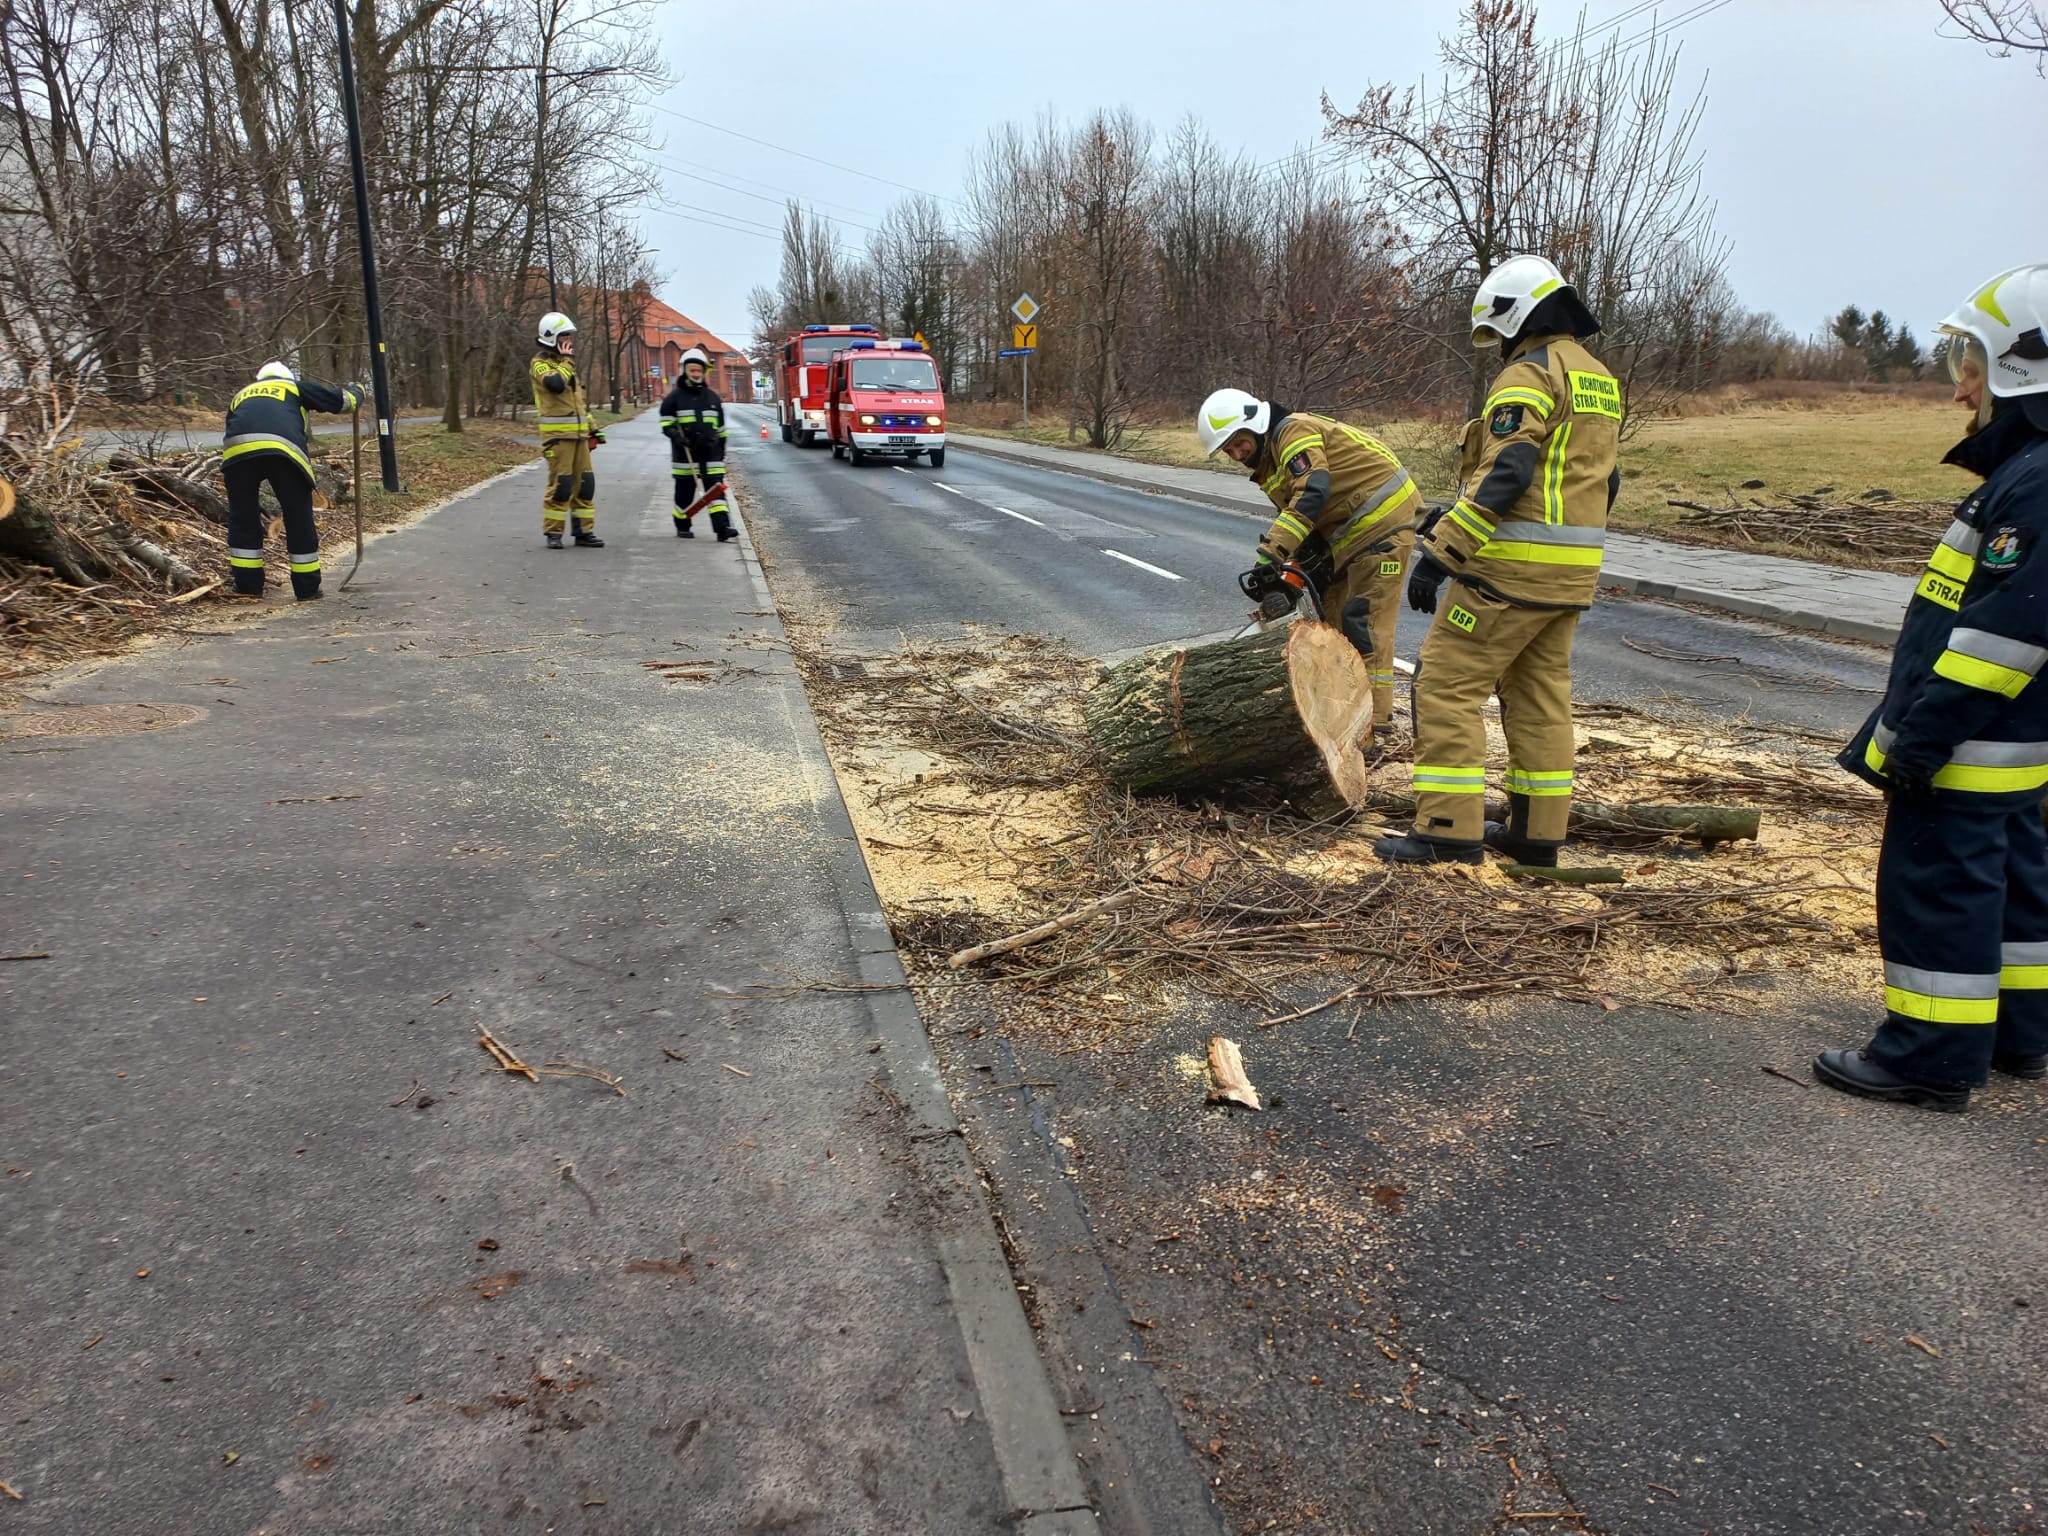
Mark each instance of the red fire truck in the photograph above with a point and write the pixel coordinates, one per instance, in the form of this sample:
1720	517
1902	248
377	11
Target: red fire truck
884	399
800	379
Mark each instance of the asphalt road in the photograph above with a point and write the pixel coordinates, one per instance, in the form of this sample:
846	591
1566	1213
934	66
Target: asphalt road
280	1253
1482	1264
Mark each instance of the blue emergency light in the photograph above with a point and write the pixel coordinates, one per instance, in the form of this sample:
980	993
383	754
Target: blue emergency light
856	346
868	328
910	346
817	327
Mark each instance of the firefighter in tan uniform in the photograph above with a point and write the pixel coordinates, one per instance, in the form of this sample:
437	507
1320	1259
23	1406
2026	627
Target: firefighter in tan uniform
1521	550
567	434
1346	513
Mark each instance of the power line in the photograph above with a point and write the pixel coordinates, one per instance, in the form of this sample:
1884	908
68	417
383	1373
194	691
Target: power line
801	155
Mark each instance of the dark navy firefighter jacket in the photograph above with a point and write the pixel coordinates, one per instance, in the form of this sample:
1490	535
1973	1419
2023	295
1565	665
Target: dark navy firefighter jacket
1962	692
269	417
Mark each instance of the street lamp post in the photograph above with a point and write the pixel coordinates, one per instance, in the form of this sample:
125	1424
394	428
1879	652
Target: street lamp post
380	375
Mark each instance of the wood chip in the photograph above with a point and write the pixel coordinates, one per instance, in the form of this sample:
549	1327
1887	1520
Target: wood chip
94	1340
9	1489
735	1071
34	954
1919	1343
1227	1075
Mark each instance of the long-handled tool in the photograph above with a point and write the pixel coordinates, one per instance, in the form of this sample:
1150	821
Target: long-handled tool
355	429
717	490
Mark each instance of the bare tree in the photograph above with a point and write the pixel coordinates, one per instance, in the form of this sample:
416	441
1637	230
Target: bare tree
1570	151
2005	27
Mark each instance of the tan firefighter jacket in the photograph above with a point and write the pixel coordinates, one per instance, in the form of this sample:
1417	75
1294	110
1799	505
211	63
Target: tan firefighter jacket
1531	518
1330	479
564	411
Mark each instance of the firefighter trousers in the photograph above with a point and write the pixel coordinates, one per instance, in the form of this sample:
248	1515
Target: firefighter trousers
696	471
1375	578
245	476
1480	645
571	493
1962	924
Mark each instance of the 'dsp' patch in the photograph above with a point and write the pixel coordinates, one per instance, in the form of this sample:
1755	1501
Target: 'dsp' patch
1463	618
2003	550
1506	420
1298	465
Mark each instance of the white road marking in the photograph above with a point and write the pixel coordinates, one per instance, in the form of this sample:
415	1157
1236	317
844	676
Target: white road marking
1117	554
944	487
1034	522
900	469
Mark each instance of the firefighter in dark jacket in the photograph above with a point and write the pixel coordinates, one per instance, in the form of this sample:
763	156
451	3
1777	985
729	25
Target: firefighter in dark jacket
693	417
1342	501
1521	551
1959	744
567	434
266	442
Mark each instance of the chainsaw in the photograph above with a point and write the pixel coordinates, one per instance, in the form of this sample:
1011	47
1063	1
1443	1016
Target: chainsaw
1283	593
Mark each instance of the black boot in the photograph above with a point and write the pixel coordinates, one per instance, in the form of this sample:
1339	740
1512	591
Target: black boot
2020	1066
683	529
1854	1072
554	540
1519	850
589	540
1411	849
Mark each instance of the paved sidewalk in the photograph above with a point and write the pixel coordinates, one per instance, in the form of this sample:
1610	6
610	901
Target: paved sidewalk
282	1253
1856	605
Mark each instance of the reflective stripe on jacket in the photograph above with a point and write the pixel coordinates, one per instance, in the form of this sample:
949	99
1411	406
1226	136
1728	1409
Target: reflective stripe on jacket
1963	686
269	416
565	412
1364	491
1531	522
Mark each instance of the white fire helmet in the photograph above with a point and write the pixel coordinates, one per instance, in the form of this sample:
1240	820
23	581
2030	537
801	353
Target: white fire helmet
1228	412
1508	295
554	325
275	369
2008	320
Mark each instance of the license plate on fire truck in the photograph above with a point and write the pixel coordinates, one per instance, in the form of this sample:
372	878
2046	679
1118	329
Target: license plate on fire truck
899	441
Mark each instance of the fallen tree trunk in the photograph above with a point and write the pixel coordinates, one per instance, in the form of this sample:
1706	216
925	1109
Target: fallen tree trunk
1273	703
31	532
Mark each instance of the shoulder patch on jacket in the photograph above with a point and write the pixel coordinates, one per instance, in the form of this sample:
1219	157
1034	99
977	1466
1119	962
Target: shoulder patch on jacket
1506	420
1298	465
2004	549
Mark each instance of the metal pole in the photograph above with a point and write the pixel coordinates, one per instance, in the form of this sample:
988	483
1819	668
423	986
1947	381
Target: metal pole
1027	391
355	432
380	377
547	226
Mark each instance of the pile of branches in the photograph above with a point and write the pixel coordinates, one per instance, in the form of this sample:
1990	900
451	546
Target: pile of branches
1200	895
1874	530
90	550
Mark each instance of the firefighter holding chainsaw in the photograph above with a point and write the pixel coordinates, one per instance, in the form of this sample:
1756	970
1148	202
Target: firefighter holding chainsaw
1521	551
567	434
693	417
1345	518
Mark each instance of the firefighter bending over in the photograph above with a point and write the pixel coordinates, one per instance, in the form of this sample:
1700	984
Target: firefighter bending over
1346	511
266	442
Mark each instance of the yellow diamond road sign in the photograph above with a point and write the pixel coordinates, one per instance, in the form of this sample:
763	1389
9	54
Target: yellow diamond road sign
1024	337
1025	307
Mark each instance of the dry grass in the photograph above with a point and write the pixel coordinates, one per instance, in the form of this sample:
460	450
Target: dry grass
1835	441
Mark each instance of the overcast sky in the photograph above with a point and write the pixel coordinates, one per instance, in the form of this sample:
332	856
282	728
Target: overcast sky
1856	155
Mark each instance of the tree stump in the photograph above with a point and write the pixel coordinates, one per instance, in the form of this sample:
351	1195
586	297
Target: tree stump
1263	705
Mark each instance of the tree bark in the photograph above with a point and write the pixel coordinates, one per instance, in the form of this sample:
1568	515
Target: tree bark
168	488
1273	703
29	531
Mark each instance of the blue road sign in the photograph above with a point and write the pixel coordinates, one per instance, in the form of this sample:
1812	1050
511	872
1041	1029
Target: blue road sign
1016	351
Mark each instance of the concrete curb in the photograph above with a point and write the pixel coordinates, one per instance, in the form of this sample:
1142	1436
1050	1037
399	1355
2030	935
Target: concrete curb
1035	1459
1638	586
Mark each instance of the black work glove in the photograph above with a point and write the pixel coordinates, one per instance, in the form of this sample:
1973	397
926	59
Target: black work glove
1910	767
1423	581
